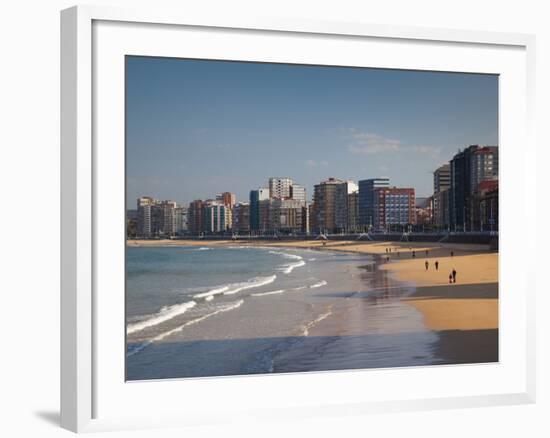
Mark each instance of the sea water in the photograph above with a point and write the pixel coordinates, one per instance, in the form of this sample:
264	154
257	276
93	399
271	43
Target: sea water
207	311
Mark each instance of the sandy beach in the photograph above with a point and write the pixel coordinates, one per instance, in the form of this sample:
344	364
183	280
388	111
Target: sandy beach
464	314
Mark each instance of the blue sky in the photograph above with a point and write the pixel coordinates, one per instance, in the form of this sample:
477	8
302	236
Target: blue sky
197	128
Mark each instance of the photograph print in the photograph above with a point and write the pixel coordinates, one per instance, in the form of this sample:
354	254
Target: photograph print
285	218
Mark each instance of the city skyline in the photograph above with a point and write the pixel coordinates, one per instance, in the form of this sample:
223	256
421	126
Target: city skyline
223	126
465	196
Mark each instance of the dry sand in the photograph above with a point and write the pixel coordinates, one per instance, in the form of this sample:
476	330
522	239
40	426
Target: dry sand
469	304
465	313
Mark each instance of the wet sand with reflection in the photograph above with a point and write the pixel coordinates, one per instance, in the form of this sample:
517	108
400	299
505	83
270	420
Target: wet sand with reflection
464	315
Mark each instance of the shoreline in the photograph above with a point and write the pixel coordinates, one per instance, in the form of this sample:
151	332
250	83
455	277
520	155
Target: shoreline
464	314
361	246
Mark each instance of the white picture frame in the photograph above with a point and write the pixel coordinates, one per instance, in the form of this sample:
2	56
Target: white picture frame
89	399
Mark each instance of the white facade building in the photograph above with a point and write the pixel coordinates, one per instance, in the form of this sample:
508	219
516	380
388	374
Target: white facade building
298	192
279	187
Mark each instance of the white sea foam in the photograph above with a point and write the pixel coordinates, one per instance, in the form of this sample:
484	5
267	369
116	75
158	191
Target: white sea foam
287	255
279	291
287	269
203	248
311	324
274	292
252	283
164	314
230	289
218	290
319	284
246	247
161	336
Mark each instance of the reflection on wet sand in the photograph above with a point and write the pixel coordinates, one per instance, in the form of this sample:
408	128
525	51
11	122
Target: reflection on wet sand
369	328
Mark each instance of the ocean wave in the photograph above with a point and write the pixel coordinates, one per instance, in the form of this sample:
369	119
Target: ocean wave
311	324
319	284
279	291
218	290
287	255
164	314
273	292
139	347
250	284
233	288
246	247
204	248
287	269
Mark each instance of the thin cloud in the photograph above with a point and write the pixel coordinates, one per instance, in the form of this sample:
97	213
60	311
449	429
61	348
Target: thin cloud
368	143
313	163
432	151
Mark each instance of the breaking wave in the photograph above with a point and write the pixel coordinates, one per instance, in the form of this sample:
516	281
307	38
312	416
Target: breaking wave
286	255
273	292
139	347
287	269
252	283
164	314
319	284
210	294
311	324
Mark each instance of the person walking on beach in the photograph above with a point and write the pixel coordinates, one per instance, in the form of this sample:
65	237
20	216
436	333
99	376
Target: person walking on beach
450	278
437	265
426	264
454	275
452	253
414	254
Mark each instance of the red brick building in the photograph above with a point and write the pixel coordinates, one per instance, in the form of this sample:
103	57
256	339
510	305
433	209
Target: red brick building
393	206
